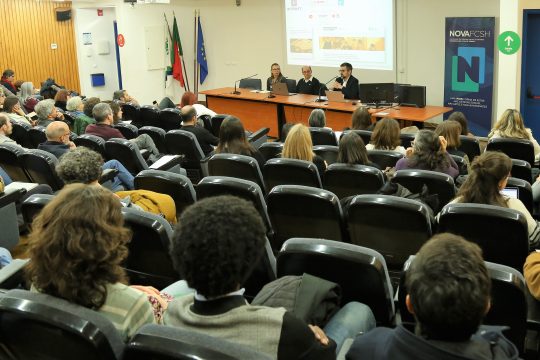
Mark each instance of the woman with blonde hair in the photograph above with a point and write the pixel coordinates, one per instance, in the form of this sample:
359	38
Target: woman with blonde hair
511	125
386	136
298	145
77	246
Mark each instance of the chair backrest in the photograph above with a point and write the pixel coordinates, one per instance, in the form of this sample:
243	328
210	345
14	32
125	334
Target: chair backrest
216	123
290	172
33	205
470	146
406	139
396	227
259	137
436	182
20	133
255	84
36	136
148	262
127	153
40	326
9	161
149	115
158	136
525	193
515	148
364	134
323	136
92	142
170	119
521	169
129	131
328	153
348	180
40	167
501	233
361	272
206	121
302	211
159	342
271	150
291	85
177	186
181	142
131	112
384	158
237	166
460	162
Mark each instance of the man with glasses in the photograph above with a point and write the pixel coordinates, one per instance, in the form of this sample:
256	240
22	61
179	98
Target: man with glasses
347	83
308	84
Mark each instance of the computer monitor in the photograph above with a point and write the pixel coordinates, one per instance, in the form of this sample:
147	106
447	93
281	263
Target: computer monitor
413	95
377	93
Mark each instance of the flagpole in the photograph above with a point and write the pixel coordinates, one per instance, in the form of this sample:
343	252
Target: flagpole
171	44
184	66
198	65
195	33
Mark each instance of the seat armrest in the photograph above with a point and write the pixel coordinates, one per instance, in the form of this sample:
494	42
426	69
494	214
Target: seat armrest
108	175
145	153
166	162
204	166
259	137
11	196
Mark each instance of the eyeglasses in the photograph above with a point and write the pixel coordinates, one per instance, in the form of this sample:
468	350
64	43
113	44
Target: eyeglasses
276	69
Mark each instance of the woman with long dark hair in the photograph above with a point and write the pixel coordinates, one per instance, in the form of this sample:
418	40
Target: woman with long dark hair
352	151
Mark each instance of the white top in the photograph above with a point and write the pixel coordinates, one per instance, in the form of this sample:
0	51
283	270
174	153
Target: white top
536	146
399	149
203	110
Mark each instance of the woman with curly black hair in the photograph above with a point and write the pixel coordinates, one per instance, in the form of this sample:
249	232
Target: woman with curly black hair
77	245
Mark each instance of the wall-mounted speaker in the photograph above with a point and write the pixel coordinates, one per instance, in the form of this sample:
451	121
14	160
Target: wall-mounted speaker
63	14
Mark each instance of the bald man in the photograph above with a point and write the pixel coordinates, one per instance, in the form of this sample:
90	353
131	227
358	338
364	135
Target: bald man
58	142
308	84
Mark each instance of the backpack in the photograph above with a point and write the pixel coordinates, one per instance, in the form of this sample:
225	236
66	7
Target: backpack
153	202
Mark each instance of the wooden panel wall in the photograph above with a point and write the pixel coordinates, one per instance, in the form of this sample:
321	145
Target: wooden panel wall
28	29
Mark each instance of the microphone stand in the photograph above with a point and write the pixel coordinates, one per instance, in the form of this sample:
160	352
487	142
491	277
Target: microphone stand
236	92
321	87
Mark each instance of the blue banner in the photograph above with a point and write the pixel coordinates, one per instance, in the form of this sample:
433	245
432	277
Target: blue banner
468	70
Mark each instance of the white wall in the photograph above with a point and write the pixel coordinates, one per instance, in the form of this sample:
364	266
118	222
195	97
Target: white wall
101	28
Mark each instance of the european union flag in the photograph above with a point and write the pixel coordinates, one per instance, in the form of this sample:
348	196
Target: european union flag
201	53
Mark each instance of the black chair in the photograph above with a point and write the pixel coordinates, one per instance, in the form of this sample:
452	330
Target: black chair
57	328
524	192
515	148
170	119
470	146
271	150
291	85
36	136
149	115
436	182
396	227
501	233
508	301
291	172
462	165
9	161
259	137
158	342
177	186
130	112
348	180
254	84
158	136
361	272
384	158
148	262
323	136
33	205
92	142
69	119
301	211
184	143
328	153
8	217
20	133
129	131
216	123
236	166
406	139
521	169
40	167
206	121
364	134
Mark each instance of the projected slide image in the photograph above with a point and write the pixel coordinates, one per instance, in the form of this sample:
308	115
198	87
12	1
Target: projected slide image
301	46
351	43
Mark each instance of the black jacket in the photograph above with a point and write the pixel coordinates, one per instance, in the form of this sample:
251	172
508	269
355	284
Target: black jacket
350	90
204	137
309	87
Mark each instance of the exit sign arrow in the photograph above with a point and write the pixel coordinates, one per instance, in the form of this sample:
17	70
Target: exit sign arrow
508	40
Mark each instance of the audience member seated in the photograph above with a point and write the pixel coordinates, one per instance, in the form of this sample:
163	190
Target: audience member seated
510	125
103	115
27	97
451	130
61	98
317	118
116	110
58	142
462	120
428	152
352	151
361	119
308	84
6	129
216	245
204	137
89	104
488	175
8	81
298	145
75	106
77	246
448	293
275	76
386	136
189	98
232	140
2	99
47	113
123	97
12	108
531	271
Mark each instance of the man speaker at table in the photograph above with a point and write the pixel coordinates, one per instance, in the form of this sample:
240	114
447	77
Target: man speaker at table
308	84
347	83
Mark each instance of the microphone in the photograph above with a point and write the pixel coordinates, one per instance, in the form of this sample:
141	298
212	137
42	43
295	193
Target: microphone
324	86
339	79
235	92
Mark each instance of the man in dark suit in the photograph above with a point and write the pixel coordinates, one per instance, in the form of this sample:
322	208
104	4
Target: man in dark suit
309	84
204	137
347	83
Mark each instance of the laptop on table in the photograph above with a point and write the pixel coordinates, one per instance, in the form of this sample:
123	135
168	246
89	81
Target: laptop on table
281	89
